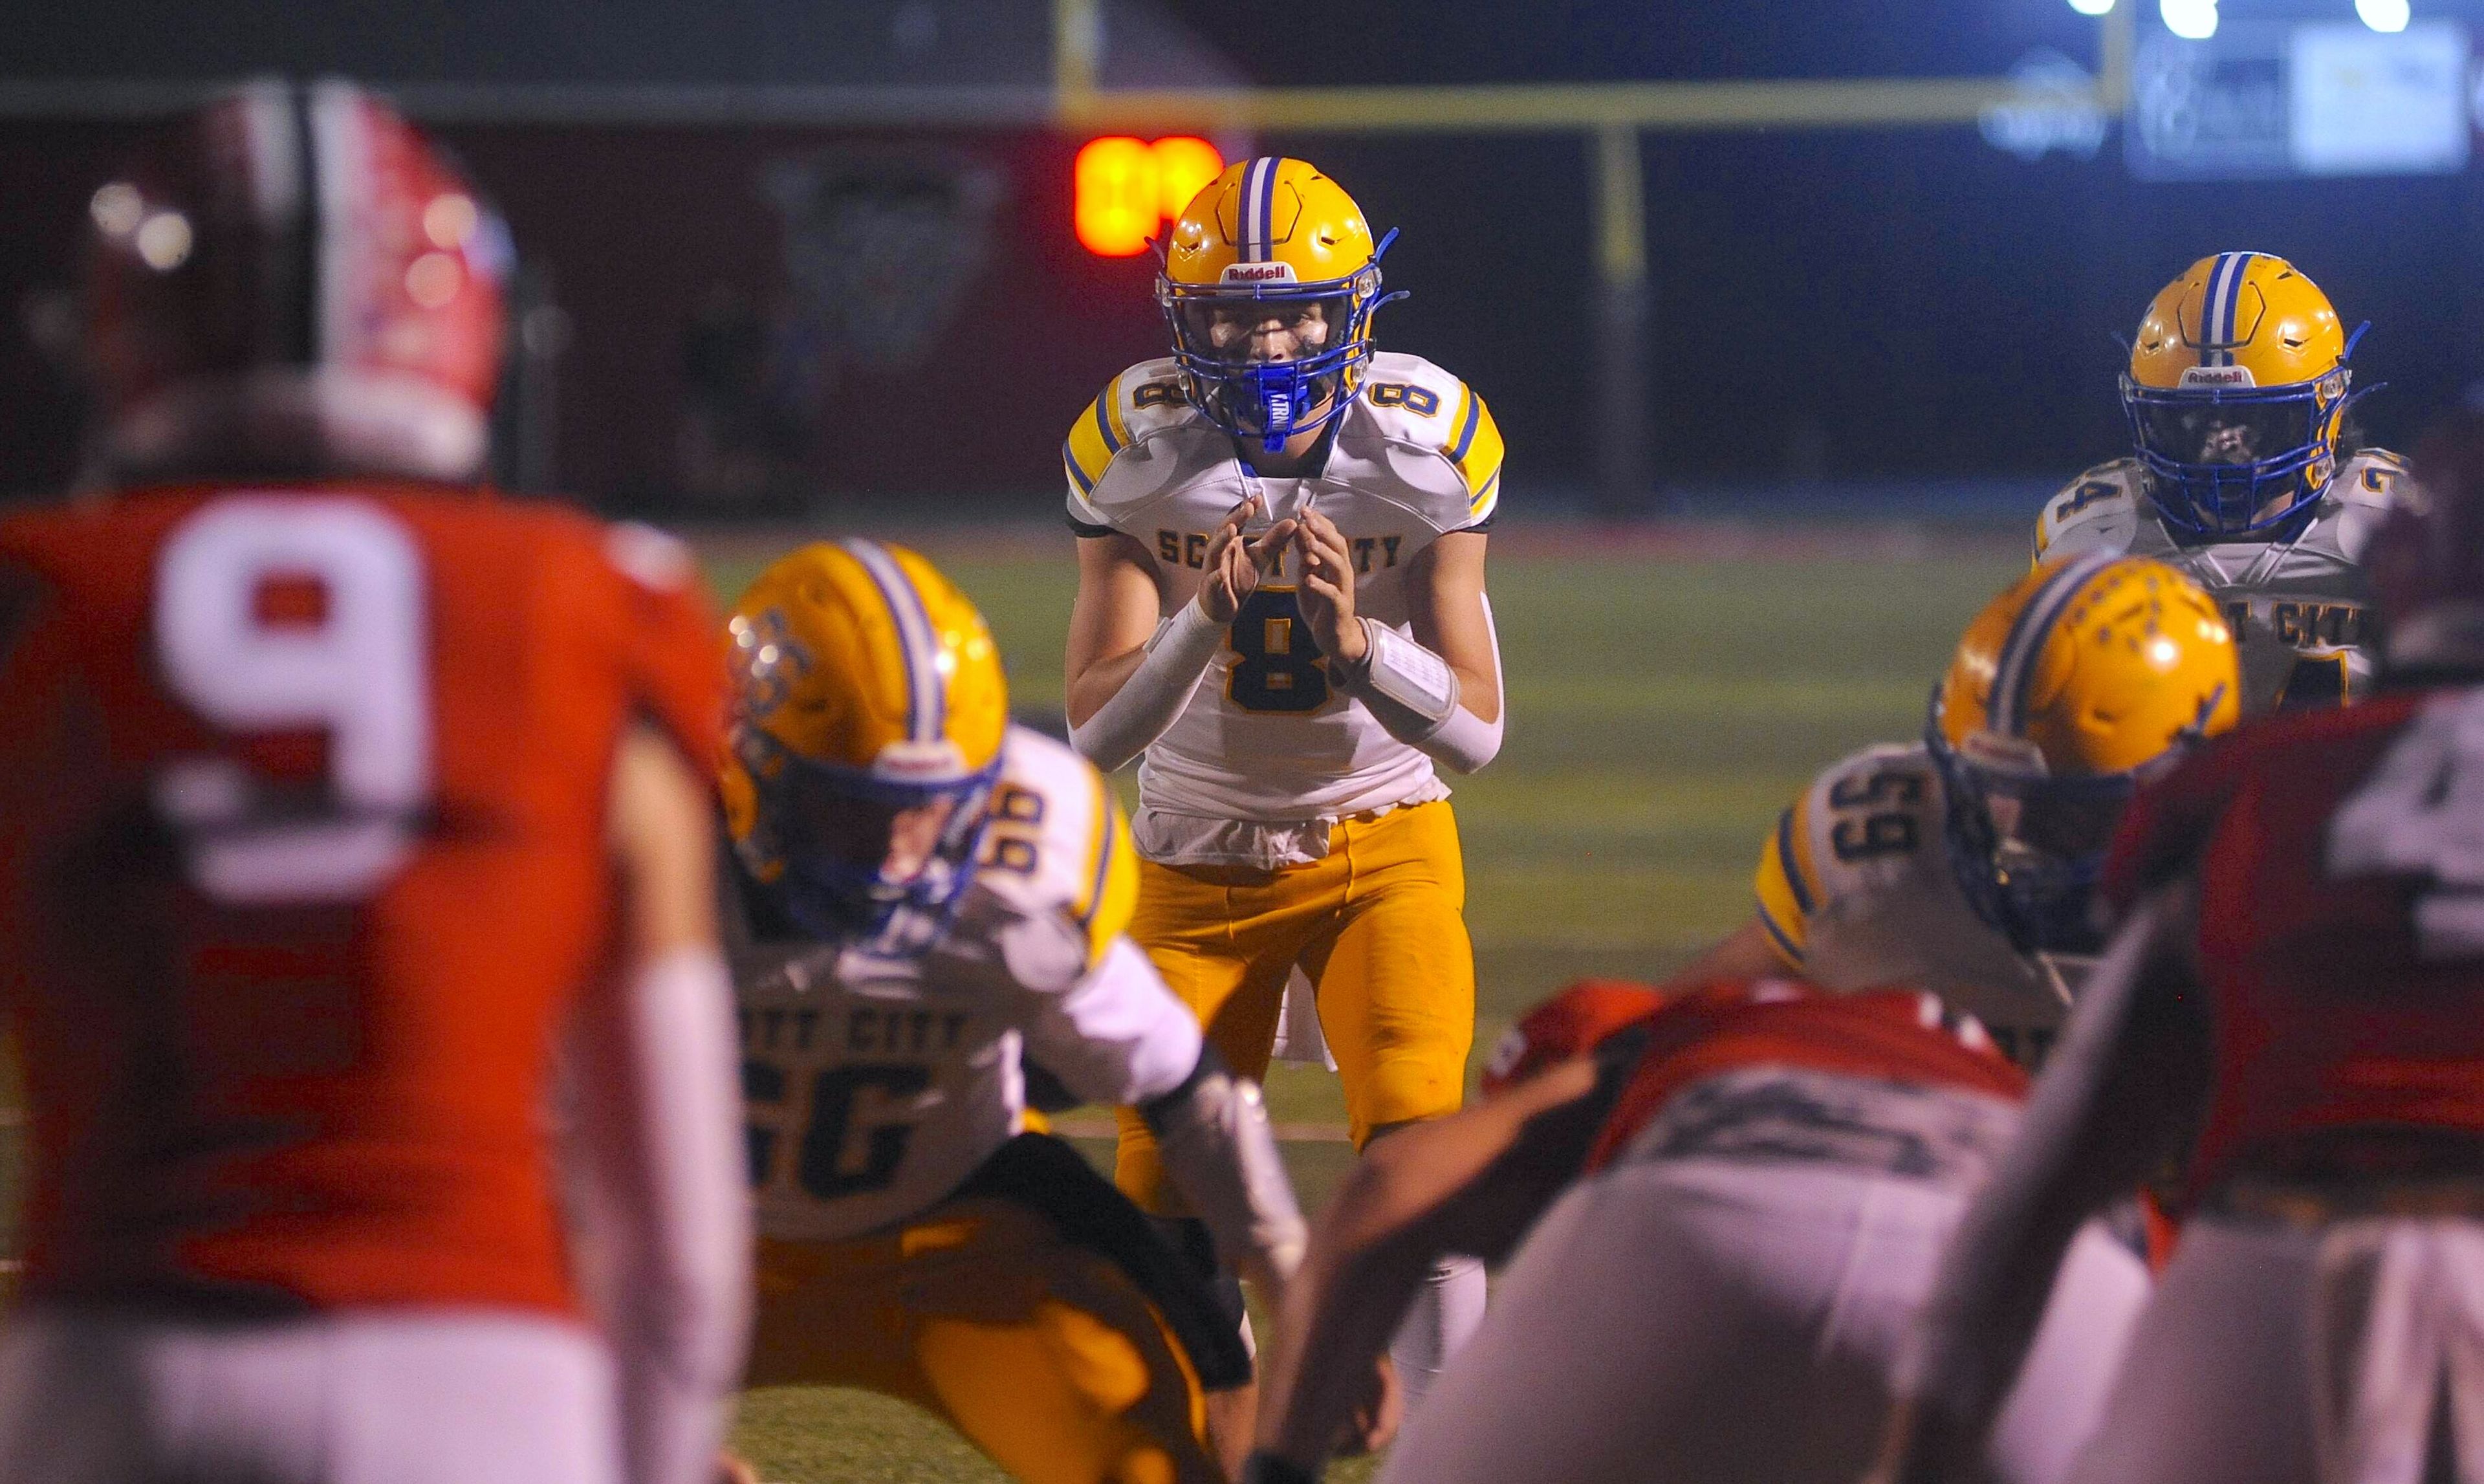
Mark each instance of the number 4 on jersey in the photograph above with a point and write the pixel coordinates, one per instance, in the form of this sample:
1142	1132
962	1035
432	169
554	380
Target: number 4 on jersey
2422	814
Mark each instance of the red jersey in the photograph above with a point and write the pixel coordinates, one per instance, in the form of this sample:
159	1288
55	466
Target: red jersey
1570	1024
302	863
1887	1036
2329	1008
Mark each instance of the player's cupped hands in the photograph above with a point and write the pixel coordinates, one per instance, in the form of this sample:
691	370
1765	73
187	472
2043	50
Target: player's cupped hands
1234	564
1327	595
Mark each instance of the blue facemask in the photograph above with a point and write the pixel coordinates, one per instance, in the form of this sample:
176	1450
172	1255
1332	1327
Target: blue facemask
2231	463
1224	334
837	896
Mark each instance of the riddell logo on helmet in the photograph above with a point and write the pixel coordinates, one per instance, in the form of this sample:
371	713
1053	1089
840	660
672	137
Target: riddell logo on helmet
2217	376
1258	273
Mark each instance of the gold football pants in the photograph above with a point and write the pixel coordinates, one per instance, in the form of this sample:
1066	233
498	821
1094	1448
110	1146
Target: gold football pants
1376	927
1044	1355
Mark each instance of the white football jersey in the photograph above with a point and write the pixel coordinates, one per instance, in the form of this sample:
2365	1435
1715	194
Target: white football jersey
1264	739
1858	890
877	1083
2300	610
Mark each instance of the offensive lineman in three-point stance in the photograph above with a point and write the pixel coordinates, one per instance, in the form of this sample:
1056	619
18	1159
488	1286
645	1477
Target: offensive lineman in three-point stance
930	901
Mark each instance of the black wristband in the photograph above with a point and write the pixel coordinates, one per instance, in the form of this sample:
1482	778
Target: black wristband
1265	1467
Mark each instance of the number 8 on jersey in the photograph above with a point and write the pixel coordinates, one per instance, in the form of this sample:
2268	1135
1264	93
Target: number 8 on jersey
1276	662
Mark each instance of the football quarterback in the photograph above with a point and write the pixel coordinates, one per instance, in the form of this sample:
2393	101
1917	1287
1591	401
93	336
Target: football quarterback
2237	395
1281	613
1964	863
930	903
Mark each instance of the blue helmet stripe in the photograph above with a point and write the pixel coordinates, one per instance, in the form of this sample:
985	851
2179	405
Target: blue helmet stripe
1246	230
917	642
2013	674
2222	307
1259	207
2233	303
1268	209
2209	308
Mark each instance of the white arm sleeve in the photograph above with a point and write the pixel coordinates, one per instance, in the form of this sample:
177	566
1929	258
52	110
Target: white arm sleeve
665	1212
1412	693
1148	702
1213	1133
1118	1036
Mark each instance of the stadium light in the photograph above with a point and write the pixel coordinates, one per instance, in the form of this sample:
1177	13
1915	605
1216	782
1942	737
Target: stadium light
1126	187
2193	21
2384	15
2093	6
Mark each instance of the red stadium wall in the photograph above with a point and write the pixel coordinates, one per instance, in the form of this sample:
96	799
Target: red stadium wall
642	229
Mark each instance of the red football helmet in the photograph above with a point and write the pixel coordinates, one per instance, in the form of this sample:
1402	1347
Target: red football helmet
2427	559
1567	1025
293	282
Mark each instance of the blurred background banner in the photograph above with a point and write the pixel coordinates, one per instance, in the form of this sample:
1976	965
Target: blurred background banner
2274	100
1842	258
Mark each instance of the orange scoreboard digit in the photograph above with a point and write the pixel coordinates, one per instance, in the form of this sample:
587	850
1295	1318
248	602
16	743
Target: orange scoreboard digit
1126	188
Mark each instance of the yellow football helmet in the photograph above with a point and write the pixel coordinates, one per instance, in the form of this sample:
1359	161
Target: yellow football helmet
1271	278
2084	680
864	683
2237	388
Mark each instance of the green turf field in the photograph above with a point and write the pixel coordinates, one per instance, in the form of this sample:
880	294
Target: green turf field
1665	703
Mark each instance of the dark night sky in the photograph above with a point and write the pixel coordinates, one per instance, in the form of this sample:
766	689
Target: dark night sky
1863	304
1479	41
1855	304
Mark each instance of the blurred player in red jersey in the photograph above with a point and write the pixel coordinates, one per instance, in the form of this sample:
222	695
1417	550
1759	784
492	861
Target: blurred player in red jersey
344	808
1730	1202
2296	1008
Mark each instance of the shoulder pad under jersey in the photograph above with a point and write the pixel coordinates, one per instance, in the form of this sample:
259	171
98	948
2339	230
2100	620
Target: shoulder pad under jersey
1432	433
1112	456
1058	850
1860	828
2099	510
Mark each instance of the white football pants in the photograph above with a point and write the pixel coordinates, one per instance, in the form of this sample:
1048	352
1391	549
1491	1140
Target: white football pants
1446	1312
1712	1321
395	1398
2287	1355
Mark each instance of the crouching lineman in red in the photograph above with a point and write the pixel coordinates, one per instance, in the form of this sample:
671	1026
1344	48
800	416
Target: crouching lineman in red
1731	1205
337	807
2296	1006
